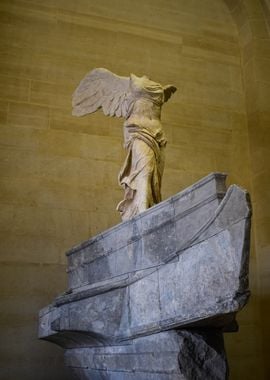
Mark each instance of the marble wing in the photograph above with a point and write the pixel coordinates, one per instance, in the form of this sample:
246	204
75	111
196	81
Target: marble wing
102	89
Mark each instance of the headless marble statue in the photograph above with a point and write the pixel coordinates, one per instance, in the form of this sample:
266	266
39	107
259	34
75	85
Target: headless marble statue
139	101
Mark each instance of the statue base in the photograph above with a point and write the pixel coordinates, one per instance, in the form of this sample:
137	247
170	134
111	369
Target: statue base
194	354
151	297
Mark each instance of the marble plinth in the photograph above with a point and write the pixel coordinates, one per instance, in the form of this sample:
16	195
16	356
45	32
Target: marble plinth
179	266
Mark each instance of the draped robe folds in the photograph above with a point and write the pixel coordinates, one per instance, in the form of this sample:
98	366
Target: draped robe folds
139	101
142	171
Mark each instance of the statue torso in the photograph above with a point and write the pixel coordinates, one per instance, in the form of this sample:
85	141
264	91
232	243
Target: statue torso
144	117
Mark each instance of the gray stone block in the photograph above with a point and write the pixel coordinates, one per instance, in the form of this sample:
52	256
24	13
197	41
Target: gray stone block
185	355
182	264
176	219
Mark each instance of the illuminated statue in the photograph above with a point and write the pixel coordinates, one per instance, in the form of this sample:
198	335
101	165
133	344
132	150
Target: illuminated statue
139	101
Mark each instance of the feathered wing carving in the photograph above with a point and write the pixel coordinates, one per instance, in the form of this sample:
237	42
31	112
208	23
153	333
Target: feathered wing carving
102	88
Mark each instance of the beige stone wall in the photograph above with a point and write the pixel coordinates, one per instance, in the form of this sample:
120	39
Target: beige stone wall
252	18
59	174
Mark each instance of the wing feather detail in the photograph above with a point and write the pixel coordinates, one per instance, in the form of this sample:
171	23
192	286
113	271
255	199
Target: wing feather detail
102	89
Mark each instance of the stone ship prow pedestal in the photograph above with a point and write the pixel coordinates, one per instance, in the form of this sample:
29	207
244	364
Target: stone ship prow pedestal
153	294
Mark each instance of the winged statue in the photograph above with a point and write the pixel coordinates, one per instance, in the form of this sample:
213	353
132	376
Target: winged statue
139	101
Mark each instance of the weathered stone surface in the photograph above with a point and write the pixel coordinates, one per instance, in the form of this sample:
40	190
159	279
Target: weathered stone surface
180	265
162	276
173	355
149	239
202	355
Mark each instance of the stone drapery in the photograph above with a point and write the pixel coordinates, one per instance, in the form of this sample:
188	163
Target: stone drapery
142	172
